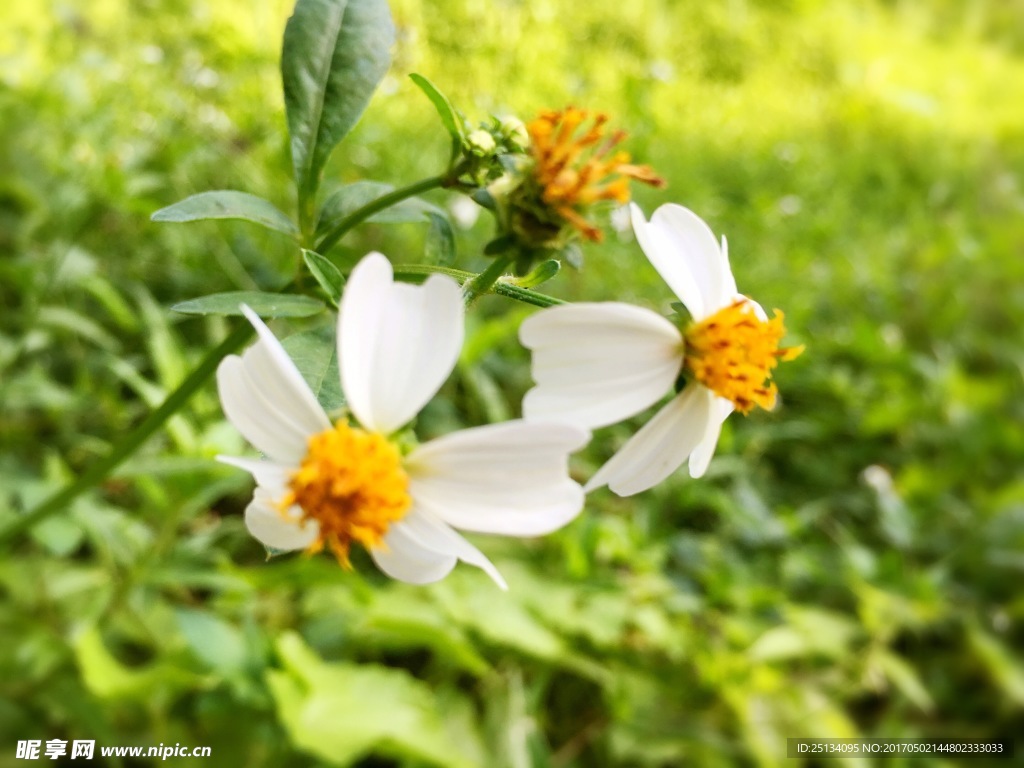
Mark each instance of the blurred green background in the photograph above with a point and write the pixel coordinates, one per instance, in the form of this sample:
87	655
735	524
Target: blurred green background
851	564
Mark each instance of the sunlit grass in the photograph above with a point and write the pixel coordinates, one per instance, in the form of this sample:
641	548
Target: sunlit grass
847	567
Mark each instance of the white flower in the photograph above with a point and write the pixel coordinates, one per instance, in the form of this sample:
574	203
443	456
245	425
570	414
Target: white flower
327	486
597	364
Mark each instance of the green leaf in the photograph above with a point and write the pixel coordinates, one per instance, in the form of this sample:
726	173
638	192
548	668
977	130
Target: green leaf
315	354
486	392
484	199
1006	672
540	274
440	246
327	275
499	245
106	677
501	619
262	303
401	619
449	117
228	204
60	535
905	679
70	321
341	712
219	645
335	54
350	198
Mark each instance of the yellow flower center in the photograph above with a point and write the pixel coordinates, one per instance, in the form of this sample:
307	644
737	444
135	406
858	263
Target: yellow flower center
733	352
352	483
576	168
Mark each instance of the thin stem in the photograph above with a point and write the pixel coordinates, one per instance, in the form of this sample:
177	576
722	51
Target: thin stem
101	469
375	206
484	282
526	295
508	290
416	270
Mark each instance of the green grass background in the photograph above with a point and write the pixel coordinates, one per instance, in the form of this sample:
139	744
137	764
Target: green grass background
851	564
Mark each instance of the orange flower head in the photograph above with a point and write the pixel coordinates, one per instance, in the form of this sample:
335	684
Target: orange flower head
734	351
351	482
575	165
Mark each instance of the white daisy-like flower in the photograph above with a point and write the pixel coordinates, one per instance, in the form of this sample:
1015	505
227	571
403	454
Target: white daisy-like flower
326	486
599	363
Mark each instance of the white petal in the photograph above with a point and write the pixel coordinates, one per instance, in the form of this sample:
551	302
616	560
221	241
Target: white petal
701	456
268	475
509	478
688	236
434	535
365	298
670	265
729	281
397	343
403	557
660	447
758	309
261	422
596	364
276	377
684	251
275	530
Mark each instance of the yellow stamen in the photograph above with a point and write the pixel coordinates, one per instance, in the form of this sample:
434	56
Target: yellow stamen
352	483
573	168
734	351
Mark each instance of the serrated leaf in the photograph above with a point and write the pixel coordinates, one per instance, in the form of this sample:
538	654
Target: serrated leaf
262	303
327	275
501	619
352	197
106	677
219	645
227	204
440	245
342	711
404	620
335	54
315	354
449	117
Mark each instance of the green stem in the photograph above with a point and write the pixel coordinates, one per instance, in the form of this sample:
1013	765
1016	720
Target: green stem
526	295
484	282
375	206
417	270
99	471
509	291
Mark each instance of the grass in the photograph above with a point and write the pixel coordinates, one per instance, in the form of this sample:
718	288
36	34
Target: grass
848	566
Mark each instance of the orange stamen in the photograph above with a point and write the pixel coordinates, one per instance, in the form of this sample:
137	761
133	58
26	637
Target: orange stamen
352	483
734	351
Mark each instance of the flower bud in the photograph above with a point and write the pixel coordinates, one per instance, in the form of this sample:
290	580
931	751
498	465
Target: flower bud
481	142
515	131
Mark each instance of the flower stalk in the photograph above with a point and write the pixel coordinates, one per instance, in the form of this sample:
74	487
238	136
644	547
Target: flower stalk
99	471
485	281
360	215
501	288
